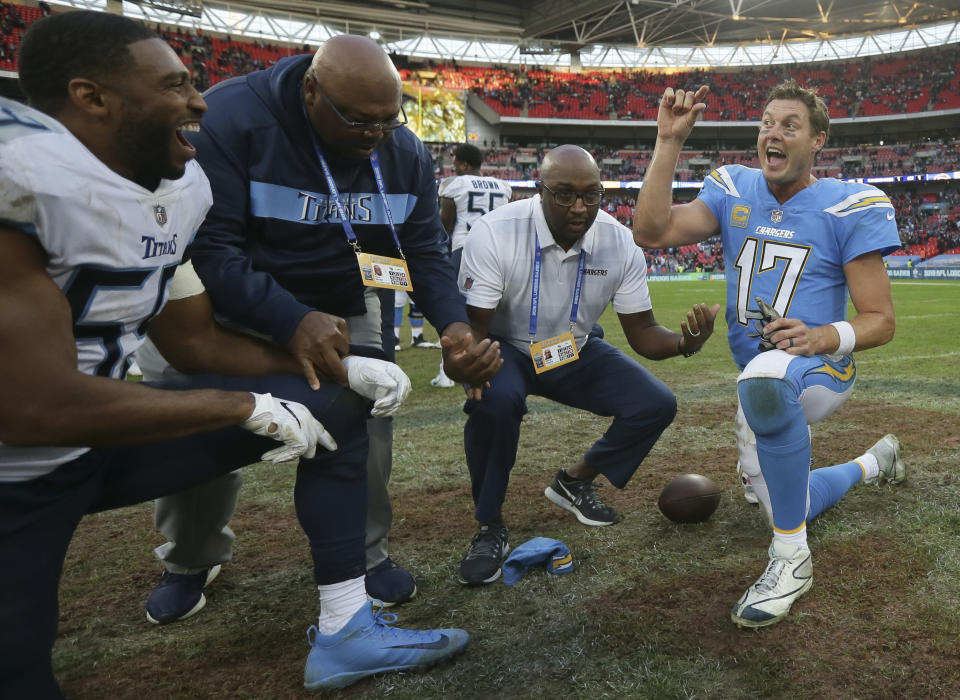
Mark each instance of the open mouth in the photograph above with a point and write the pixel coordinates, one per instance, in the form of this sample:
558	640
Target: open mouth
182	140
775	156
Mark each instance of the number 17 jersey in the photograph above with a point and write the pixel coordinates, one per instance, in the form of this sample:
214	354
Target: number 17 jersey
792	254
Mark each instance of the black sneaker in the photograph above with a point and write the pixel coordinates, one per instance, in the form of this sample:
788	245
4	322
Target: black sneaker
581	499
178	596
488	548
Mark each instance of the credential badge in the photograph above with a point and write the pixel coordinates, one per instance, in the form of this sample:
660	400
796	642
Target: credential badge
776	216
160	214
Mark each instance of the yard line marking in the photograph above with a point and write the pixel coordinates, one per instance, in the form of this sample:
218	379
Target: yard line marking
918	316
910	358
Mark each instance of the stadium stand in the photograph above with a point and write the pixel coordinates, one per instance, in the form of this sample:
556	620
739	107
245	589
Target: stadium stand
902	84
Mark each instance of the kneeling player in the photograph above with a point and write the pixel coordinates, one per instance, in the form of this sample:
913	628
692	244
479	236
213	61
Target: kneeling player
795	247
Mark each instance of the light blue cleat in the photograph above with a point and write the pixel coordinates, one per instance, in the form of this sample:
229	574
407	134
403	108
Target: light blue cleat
369	644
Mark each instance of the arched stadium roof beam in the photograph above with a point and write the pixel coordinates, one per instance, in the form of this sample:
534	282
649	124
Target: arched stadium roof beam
612	34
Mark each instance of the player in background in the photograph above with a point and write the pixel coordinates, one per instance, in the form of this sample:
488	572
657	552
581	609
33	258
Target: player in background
100	198
400	300
464	198
796	248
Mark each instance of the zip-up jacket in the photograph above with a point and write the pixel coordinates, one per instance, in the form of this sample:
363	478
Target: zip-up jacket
272	247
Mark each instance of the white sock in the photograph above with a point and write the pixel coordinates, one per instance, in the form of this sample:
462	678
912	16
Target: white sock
339	602
416	333
396	331
798	538
868	463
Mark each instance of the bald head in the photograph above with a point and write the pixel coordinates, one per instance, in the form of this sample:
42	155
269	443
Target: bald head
569	170
349	89
355	63
568	163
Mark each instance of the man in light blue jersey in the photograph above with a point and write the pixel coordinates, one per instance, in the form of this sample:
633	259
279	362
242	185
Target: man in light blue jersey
796	248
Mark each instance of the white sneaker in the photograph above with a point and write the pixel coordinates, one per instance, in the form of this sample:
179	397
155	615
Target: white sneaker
749	495
423	343
889	456
442	381
788	576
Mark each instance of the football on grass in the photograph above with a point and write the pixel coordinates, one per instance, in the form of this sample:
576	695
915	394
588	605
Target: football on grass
690	498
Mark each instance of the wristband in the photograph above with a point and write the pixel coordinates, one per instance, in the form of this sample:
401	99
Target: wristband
848	338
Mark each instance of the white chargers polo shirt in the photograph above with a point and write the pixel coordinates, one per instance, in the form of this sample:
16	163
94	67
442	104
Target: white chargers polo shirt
497	273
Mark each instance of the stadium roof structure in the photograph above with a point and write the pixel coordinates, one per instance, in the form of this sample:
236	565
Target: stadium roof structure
655	34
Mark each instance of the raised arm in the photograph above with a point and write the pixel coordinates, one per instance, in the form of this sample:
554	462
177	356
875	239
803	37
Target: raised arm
656	223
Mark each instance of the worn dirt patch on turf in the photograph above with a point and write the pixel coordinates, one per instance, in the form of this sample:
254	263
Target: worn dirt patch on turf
855	609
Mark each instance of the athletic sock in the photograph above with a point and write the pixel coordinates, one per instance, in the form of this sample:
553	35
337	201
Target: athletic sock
339	602
829	484
798	538
869	467
397	320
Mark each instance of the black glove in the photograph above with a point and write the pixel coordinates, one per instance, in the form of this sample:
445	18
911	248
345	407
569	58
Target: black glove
764	315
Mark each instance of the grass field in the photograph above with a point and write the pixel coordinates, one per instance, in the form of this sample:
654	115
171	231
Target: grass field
645	615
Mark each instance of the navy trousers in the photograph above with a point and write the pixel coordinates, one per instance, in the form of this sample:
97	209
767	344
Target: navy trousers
38	517
603	381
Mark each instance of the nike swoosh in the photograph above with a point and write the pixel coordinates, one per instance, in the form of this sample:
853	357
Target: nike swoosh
890	216
441	643
287	409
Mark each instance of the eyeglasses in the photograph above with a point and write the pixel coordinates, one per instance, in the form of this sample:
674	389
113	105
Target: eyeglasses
591	198
361	126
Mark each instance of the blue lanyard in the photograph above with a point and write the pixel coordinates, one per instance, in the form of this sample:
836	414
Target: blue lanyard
535	292
335	193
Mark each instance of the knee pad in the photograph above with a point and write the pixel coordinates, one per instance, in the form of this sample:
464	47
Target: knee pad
746	445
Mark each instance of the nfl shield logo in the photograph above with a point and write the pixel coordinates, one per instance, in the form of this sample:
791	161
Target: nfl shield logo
160	214
776	216
467	283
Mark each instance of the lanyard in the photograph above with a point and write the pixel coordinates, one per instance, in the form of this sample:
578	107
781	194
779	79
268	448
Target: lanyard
335	193
535	292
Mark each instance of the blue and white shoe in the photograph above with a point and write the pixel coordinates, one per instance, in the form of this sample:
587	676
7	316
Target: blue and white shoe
788	576
390	584
369	644
179	596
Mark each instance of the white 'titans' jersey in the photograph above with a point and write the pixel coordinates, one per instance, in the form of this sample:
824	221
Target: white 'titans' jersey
111	246
792	254
474	195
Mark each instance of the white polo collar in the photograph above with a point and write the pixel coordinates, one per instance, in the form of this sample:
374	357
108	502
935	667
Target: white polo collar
545	237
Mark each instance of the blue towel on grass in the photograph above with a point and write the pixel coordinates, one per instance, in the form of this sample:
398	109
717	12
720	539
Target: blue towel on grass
540	550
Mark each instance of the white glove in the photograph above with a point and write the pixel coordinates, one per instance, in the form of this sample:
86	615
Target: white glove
378	380
290	423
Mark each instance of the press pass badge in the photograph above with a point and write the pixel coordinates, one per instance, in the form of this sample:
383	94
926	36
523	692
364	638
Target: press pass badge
381	271
560	349
553	352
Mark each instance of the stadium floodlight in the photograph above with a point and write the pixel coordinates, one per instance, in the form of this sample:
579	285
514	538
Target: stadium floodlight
193	8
